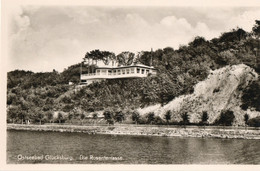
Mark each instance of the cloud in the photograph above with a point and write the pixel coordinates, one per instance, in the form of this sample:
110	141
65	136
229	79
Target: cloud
172	21
176	31
83	16
19	20
203	30
245	20
46	38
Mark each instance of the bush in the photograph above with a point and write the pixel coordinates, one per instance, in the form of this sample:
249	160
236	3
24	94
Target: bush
204	118
119	116
168	116
150	118
185	118
226	118
142	120
108	116
135	117
255	122
251	96
158	120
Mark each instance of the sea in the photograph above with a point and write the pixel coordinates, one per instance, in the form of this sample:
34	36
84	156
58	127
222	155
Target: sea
35	147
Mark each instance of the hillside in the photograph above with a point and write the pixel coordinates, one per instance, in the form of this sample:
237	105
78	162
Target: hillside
194	78
221	90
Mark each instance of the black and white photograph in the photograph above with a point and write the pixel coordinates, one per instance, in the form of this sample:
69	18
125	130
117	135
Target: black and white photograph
130	83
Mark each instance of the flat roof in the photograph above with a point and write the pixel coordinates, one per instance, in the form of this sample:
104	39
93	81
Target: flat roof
130	66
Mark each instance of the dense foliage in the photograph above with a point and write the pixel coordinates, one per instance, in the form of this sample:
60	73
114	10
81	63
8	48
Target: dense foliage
35	96
255	122
226	118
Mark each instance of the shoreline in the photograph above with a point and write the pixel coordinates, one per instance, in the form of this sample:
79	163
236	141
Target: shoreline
144	131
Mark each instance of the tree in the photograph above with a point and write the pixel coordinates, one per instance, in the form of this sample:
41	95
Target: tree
107	57
158	120
108	116
226	118
198	41
135	116
95	116
49	116
255	122
144	57
256	29
70	116
234	35
246	117
185	118
251	96
94	55
125	58
40	116
21	115
168	116
12	113
119	116
204	118
60	117
150	117
82	117
11	98
168	50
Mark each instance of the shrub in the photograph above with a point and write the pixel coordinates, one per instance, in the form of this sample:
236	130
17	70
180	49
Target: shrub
226	118
251	96
150	118
135	117
119	116
204	118
168	116
142	120
185	118
246	118
66	99
158	120
255	122
108	116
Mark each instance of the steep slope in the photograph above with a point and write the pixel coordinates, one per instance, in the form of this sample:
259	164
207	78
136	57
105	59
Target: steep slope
222	90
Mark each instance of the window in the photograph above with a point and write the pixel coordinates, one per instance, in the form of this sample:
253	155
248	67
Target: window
119	72
132	70
114	72
138	70
147	71
123	71
127	71
142	71
109	72
103	71
98	72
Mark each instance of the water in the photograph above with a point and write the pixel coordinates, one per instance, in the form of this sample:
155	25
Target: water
56	147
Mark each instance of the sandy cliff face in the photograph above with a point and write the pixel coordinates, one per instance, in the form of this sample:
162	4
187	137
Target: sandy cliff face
221	90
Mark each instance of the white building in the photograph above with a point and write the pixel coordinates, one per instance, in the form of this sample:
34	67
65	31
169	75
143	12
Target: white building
110	72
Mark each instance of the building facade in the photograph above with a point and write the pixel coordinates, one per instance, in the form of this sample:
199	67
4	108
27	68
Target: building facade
132	71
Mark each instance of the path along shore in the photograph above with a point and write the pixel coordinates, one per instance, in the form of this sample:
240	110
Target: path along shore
144	130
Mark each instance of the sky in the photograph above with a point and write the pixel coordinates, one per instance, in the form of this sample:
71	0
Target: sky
43	38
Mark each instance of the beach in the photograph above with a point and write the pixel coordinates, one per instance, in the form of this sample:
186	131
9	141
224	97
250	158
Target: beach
151	130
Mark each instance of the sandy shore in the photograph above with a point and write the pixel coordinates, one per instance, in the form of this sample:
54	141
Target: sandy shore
143	130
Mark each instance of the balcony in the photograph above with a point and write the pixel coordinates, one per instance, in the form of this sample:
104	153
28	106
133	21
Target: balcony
112	75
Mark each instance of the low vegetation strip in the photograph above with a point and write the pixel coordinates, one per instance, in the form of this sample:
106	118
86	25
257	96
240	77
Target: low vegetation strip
201	132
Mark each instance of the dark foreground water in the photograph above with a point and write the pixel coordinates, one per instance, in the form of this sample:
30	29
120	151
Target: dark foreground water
56	147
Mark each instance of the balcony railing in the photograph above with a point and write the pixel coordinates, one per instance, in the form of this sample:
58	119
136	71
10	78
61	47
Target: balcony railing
111	76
